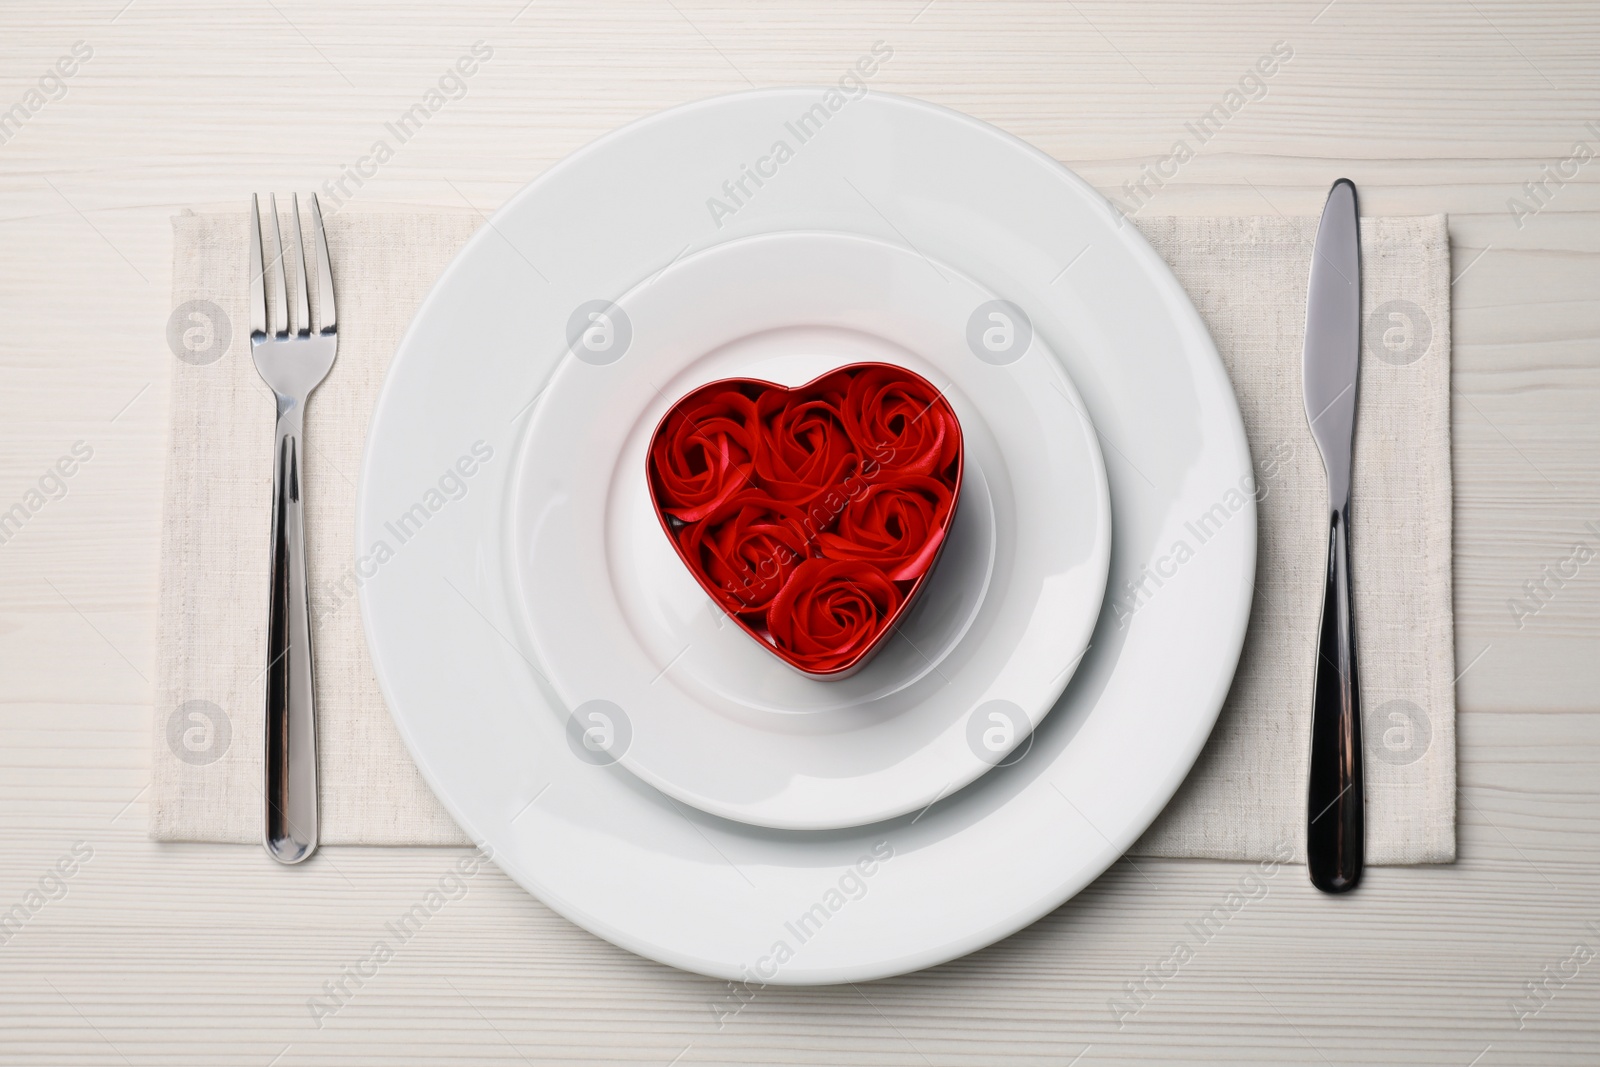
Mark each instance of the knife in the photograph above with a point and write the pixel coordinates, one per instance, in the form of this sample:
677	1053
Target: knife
1336	801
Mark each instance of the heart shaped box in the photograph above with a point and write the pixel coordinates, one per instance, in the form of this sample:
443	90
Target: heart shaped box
753	389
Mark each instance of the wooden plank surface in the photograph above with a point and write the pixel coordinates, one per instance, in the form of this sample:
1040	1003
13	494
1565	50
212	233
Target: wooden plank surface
208	955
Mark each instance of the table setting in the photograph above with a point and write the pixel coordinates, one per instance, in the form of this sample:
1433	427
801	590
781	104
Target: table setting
807	535
706	533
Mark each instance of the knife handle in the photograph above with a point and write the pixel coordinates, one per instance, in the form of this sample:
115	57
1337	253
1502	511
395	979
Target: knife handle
1336	808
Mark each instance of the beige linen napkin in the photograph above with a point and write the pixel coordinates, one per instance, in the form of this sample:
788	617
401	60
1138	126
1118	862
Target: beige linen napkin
1245	797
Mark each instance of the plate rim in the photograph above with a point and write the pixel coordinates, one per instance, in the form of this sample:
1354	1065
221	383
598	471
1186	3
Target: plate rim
1184	314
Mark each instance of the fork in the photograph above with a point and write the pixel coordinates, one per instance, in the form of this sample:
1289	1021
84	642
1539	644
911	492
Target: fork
292	359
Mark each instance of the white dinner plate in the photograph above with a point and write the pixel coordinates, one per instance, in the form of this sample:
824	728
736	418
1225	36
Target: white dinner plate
747	903
649	668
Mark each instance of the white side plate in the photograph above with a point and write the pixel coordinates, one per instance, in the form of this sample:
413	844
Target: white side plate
714	719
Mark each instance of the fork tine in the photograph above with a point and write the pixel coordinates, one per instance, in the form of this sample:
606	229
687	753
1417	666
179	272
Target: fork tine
258	281
302	292
325	312
280	310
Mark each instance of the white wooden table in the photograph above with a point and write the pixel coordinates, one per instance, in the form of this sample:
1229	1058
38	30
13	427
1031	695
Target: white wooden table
208	954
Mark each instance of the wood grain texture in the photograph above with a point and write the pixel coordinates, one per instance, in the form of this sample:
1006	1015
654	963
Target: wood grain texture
208	954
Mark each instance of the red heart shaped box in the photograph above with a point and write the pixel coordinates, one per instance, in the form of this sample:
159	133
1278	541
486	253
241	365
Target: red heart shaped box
811	515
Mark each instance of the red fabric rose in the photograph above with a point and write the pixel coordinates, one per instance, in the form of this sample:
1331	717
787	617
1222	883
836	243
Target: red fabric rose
829	611
810	515
806	449
704	453
896	525
747	548
901	423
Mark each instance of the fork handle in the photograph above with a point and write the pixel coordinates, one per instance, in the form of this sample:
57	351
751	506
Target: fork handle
290	815
1336	800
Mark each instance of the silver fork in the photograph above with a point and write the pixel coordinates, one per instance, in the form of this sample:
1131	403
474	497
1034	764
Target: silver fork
292	361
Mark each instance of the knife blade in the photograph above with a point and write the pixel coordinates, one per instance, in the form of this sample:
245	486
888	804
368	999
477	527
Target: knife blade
1336	801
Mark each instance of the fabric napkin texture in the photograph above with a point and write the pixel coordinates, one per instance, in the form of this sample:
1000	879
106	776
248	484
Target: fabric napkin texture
1245	798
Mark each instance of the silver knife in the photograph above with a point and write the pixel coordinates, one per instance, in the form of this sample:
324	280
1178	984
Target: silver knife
1336	802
